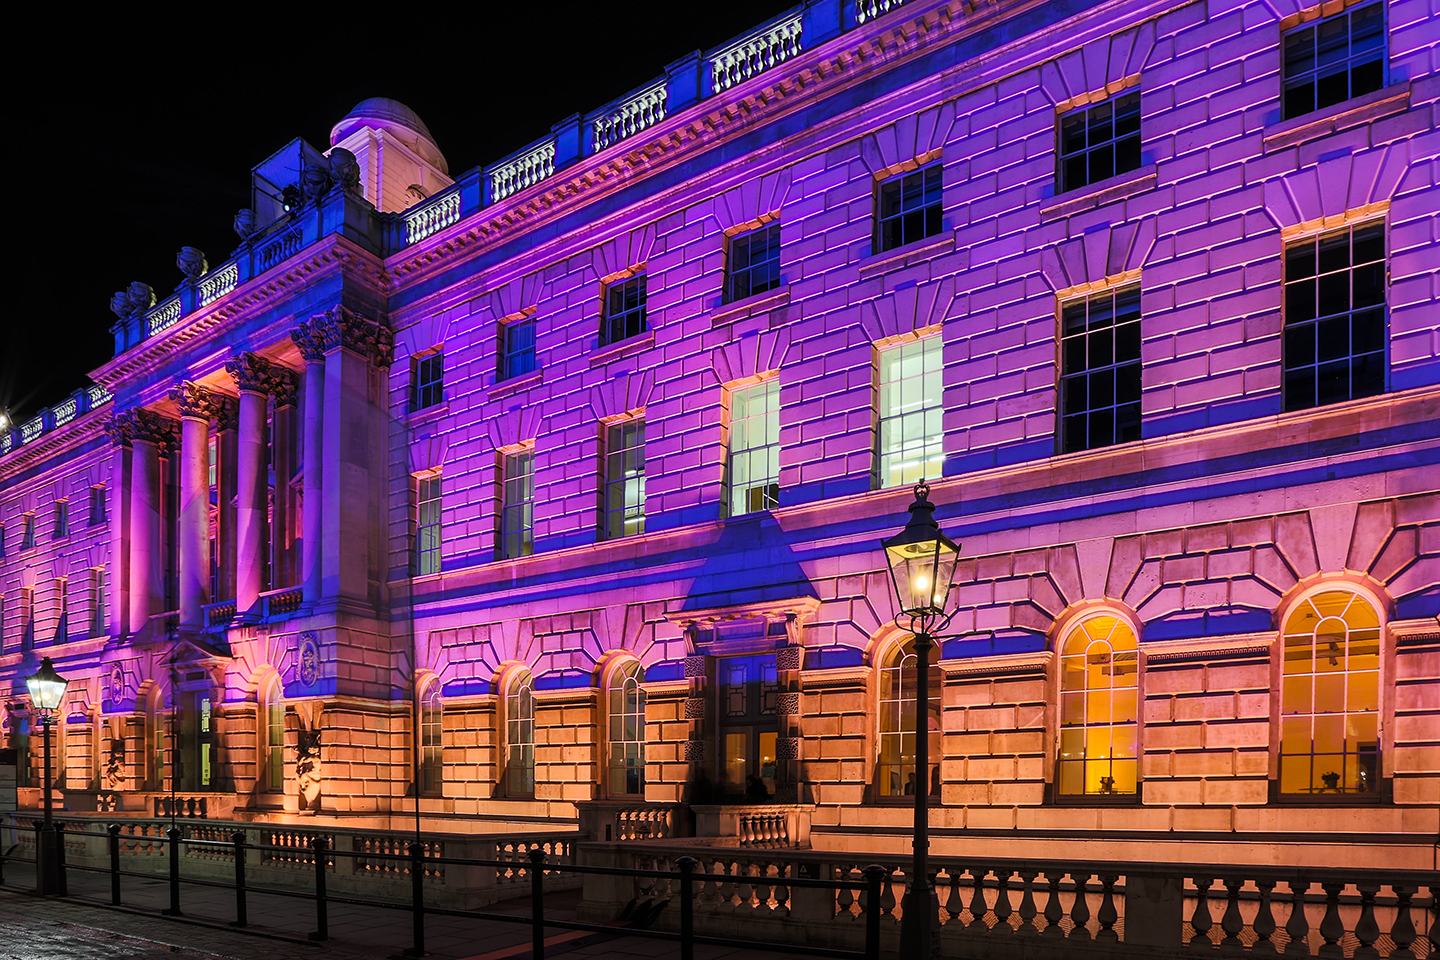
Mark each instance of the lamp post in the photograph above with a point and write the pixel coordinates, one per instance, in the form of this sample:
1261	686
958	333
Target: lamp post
922	566
47	689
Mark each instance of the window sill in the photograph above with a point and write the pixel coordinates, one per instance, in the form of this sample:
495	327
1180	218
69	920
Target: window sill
624	348
908	255
437	412
1100	192
1342	116
750	306
515	384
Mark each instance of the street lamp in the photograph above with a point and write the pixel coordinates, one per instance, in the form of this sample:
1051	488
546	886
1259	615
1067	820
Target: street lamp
922	566
47	689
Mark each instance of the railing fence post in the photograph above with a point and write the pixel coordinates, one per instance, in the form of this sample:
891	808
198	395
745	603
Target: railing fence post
537	904
238	839
173	835
114	843
687	867
417	898
873	874
60	884
322	914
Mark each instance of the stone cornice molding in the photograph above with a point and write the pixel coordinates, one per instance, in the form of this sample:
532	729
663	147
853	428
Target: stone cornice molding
194	401
253	373
147	426
330	255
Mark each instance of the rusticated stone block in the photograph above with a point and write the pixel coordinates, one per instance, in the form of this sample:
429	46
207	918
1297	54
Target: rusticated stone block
790	658
788	705
695	668
787	748
694	708
694	751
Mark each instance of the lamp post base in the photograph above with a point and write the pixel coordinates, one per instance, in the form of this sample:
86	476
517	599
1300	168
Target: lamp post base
47	873
919	920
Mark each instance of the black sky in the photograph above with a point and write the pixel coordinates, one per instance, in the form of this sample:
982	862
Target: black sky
133	135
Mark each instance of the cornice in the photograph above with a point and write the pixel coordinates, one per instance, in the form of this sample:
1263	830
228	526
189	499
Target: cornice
79	430
331	254
1002	665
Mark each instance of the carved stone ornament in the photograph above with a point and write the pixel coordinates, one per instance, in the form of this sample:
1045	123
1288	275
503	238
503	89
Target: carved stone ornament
149	427
194	401
787	748
309	659
342	327
192	262
244	223
285	386
694	751
315	181
119	428
117	683
309	337
788	704
695	668
694	708
345	170
251	372
227	413
132	301
789	658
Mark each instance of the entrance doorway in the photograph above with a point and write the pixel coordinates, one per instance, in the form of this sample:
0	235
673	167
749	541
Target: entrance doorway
197	742
749	689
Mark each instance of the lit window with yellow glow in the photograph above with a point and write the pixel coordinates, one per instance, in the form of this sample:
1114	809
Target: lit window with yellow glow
1330	697
1099	732
910	435
627	731
899	683
520	736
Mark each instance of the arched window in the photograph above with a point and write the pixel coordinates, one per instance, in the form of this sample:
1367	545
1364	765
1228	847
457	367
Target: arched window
1099	729
627	731
155	746
432	759
272	754
1330	696
520	736
898	685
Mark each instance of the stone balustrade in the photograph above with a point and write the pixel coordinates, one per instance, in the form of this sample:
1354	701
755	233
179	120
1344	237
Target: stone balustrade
526	170
219	615
280	604
1033	908
164	315
74	406
432	216
618	820
754	54
867	10
635	113
218	282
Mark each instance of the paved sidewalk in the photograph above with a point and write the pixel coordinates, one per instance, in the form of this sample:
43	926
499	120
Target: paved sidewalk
280	926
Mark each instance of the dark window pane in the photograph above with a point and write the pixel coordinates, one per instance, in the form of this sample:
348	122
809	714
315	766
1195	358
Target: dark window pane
1334	293
1368	331
1369	285
1300	346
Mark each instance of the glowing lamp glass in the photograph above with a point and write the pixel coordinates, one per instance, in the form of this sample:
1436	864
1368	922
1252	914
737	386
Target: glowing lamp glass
922	561
47	688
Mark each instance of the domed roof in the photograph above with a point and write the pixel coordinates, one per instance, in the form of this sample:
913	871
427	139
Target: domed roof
391	115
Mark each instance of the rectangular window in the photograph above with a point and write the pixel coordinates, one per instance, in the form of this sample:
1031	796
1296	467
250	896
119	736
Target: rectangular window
516	349
910	207
97	500
910	435
427	381
427	525
2	541
1333	60
624	310
1098	142
97	602
753	468
62	519
517	505
622	488
27	533
754	263
27	618
1100	370
62	611
1335	317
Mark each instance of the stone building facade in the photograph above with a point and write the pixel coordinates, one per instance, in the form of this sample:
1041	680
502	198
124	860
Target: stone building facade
564	481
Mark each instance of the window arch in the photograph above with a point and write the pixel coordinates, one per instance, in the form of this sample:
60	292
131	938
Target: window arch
627	730
432	757
520	735
1099	709
895	775
1330	696
155	739
272	740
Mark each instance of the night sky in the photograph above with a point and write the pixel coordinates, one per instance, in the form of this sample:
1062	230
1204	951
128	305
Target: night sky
135	135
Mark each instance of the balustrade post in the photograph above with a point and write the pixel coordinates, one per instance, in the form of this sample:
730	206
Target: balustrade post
417	899
322	910
1232	923
1200	920
687	867
1264	925
1053	912
1402	931
537	904
173	835
1297	928
874	875
1332	928
238	840
1367	931
1107	914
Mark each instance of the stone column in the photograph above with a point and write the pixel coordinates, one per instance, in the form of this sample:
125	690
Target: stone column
253	376
197	406
117	586
312	347
226	411
282	456
150	435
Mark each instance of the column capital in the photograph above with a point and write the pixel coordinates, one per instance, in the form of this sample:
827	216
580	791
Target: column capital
226	410
284	386
342	327
251	372
149	427
194	401
120	428
309	337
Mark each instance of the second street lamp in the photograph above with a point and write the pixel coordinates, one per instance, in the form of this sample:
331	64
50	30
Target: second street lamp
47	690
922	567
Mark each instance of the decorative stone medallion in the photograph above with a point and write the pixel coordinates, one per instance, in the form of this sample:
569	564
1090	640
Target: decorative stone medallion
117	682
694	668
309	659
